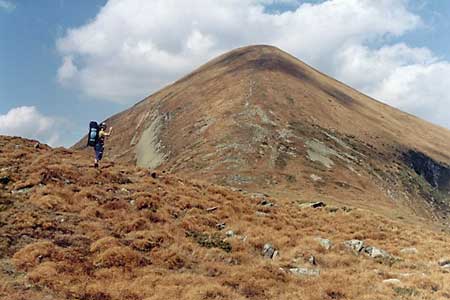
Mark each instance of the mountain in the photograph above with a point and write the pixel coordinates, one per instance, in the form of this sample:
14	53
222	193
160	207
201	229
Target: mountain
260	120
71	231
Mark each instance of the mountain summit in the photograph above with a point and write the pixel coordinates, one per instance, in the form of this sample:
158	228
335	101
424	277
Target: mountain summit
259	119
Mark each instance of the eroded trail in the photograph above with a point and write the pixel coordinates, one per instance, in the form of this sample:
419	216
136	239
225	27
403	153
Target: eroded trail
69	231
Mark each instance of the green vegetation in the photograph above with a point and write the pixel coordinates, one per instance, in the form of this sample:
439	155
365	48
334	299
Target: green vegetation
214	240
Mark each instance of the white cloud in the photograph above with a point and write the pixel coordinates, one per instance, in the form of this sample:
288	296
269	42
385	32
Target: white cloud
412	79
67	70
354	62
134	47
28	122
420	88
7	6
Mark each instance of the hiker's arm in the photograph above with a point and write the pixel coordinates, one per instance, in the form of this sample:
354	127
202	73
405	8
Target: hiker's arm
104	133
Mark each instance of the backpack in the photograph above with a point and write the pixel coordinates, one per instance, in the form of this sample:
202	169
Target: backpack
94	130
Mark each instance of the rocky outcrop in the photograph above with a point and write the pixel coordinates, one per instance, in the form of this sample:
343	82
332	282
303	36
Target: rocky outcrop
435	173
358	246
355	245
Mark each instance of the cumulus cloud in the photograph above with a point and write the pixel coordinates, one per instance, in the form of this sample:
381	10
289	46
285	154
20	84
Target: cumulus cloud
419	88
27	121
7	6
134	47
412	79
67	70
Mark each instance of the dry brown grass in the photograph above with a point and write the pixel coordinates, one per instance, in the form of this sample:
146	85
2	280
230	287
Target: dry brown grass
117	233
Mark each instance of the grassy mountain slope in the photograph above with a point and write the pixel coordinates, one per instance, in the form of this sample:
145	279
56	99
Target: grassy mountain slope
69	231
259	119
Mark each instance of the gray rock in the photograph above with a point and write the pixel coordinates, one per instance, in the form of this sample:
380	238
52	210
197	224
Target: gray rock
230	233
326	244
409	250
305	271
376	252
269	251
261	214
22	190
312	260
392	281
220	226
446	267
317	204
358	246
266	203
444	261
314	177
355	245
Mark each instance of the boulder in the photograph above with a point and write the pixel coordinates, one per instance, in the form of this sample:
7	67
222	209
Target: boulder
355	245
266	203
326	244
269	251
317	204
305	272
394	281
220	226
376	252
230	233
23	190
444	261
409	250
315	177
358	246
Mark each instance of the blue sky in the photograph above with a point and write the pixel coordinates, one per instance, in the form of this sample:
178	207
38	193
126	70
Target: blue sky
29	62
64	63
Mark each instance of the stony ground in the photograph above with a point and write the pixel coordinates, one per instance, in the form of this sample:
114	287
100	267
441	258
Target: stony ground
69	231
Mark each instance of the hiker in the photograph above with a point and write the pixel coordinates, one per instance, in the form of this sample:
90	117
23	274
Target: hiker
100	144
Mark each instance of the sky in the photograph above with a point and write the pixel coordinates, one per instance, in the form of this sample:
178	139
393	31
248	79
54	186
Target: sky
64	63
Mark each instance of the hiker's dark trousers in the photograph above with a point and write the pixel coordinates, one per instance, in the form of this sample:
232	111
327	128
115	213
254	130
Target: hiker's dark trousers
98	151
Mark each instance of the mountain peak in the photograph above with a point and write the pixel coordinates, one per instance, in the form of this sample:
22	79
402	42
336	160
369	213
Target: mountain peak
257	57
259	119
